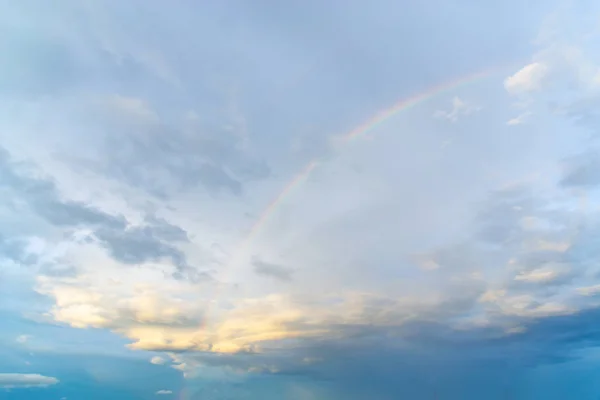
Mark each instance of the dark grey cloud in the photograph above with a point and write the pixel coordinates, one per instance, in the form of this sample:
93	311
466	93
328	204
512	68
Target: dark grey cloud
161	228
276	271
154	241
137	245
42	196
419	360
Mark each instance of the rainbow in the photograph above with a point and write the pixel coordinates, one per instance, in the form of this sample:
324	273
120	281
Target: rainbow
366	127
361	130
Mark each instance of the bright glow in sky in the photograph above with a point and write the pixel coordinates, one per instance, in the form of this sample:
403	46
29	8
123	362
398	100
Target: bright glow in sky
299	200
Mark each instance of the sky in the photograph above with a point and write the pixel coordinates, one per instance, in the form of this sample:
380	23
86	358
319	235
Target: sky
299	200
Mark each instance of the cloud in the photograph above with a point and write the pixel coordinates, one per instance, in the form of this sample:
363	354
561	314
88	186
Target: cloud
10	381
564	69
16	250
528	79
539	275
581	171
459	109
166	157
22	339
164	392
589	291
420	272
514	268
158	360
151	242
278	272
520	119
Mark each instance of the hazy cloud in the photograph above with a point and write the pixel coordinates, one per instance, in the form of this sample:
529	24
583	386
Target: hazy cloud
9	381
459	109
125	243
582	170
272	270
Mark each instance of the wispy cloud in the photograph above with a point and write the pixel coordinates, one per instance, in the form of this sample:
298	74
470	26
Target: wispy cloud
9	381
459	109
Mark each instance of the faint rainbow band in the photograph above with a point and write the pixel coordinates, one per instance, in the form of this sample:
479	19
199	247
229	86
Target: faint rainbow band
367	126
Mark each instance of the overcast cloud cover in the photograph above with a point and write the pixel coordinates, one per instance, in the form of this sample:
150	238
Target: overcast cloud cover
451	251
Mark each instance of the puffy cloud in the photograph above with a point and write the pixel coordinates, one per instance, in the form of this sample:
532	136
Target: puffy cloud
528	79
157	360
9	381
164	392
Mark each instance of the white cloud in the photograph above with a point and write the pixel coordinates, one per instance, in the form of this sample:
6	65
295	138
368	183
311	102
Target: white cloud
164	392
589	290
527	306
540	275
134	109
528	79
158	360
9	381
22	339
520	119
459	108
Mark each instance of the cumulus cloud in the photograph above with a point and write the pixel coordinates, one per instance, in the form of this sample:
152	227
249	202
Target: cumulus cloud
164	392
9	381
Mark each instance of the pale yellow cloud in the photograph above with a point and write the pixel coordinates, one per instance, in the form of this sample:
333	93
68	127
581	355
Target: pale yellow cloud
157	360
163	320
589	290
538	275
